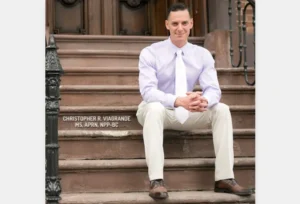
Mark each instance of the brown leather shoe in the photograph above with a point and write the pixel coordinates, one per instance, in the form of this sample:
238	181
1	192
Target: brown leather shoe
231	186
157	189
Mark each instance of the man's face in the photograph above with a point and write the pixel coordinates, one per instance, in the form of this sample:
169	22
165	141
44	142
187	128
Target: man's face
179	24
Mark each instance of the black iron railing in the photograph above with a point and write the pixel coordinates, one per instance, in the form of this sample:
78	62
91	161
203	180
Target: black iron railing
242	35
53	73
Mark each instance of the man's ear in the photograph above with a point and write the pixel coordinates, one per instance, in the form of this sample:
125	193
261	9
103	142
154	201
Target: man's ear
192	22
167	24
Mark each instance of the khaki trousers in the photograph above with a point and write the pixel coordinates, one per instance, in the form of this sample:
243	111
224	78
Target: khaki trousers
154	118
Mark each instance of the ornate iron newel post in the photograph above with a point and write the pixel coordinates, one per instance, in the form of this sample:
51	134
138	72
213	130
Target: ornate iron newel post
53	73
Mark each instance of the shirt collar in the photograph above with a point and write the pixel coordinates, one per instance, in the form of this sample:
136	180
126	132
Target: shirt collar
174	48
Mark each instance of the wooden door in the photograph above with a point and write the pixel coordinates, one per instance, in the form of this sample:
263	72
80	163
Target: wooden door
119	17
147	17
67	16
198	9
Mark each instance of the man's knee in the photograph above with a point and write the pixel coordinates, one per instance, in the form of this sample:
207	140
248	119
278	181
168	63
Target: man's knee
153	110
221	108
155	107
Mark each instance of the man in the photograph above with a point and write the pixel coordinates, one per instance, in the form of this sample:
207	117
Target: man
168	71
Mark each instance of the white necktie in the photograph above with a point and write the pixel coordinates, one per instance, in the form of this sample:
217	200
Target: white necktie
180	87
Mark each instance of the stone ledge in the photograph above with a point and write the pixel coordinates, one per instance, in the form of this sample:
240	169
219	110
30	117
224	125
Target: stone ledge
143	198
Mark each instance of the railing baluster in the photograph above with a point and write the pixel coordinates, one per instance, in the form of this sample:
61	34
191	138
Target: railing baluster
53	73
253	23
240	33
245	46
242	36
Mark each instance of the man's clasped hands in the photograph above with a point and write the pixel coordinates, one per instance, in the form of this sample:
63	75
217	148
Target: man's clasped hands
193	102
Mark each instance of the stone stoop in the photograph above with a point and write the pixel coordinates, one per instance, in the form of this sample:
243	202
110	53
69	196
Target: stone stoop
109	42
104	117
187	197
129	76
101	155
105	58
131	175
128	95
111	144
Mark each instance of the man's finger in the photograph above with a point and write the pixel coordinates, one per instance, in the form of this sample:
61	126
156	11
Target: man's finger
203	104
195	92
195	103
202	109
193	97
203	99
194	111
194	107
197	109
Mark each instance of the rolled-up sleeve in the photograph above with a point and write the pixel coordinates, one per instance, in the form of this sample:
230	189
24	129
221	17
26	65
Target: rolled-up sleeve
208	80
148	80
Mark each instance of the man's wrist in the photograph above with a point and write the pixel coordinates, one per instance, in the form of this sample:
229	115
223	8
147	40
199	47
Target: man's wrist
205	98
178	102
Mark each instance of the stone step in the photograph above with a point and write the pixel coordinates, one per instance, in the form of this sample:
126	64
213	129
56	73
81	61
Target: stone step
187	197
112	42
100	176
96	58
124	117
129	76
128	144
118	95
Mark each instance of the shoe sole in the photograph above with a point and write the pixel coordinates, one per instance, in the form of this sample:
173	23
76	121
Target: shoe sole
221	190
159	196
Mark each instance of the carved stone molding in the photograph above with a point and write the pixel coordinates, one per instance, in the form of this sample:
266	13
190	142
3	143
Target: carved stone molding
69	3
123	32
147	32
133	3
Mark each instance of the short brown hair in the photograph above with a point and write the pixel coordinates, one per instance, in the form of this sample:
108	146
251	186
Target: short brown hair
178	7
